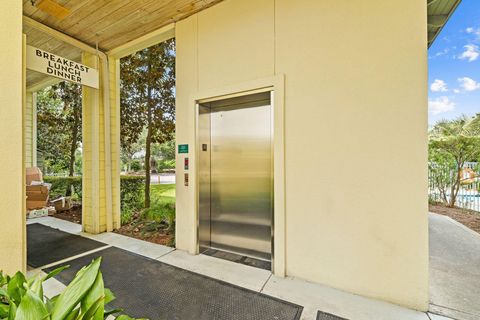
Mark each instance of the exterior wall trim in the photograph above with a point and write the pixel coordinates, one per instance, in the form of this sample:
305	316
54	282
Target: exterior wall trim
277	85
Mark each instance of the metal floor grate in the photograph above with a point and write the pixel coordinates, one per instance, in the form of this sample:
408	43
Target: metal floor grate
46	245
155	290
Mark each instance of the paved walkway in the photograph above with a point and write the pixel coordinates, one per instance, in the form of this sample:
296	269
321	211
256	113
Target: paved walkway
312	297
163	178
454	269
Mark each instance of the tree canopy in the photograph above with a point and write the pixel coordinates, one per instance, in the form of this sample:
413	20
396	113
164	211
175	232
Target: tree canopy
147	97
452	143
59	125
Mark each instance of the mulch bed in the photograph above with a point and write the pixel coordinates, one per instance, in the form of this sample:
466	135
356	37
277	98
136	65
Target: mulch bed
160	236
469	218
143	230
73	215
151	231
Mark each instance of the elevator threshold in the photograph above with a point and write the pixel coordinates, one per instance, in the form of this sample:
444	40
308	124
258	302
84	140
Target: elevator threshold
234	257
242	218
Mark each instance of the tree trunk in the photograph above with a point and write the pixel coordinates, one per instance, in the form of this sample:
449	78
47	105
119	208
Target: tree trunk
73	147
147	163
148	143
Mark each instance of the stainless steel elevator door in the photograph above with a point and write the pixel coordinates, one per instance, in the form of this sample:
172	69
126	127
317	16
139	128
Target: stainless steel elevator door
241	176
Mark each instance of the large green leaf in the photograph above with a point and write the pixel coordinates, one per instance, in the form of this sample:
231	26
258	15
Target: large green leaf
111	312
109	296
31	307
55	272
51	302
15	287
92	312
12	312
73	314
37	287
96	293
4	310
76	290
3	293
3	279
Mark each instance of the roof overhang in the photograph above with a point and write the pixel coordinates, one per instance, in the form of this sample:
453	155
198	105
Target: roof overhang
439	11
111	26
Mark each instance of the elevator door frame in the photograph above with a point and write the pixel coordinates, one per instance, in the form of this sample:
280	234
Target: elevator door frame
205	125
275	85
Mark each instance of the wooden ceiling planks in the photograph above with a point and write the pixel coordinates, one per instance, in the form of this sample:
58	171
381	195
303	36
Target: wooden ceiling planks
110	22
114	23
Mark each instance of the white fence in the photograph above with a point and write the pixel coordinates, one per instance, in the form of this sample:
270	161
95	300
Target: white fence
440	181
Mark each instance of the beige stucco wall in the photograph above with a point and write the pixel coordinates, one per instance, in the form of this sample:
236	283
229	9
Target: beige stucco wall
12	186
355	131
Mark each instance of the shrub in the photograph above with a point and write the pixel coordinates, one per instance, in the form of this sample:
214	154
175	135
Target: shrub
166	164
131	195
84	298
61	186
136	165
131	192
131	189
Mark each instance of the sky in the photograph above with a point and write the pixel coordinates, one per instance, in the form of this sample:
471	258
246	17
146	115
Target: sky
454	66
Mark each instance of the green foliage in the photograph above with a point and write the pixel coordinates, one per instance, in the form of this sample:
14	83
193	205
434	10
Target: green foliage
147	94
159	218
83	299
147	100
163	205
164	151
131	190
165	164
162	156
62	185
136	166
131	196
59	126
451	144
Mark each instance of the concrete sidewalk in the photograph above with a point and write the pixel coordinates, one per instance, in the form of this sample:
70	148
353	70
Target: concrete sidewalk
454	269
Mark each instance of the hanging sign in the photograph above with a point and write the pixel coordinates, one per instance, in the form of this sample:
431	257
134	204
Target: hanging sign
59	67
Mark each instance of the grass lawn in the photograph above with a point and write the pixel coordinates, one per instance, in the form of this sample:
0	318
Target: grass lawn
163	192
162	206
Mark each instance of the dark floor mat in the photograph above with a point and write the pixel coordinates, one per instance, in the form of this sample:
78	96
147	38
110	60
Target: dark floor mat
327	316
155	290
46	245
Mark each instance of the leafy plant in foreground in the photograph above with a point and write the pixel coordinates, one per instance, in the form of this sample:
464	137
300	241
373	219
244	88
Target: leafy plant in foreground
83	299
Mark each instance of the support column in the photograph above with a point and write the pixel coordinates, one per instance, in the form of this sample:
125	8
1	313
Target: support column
93	190
114	81
30	123
12	186
101	141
